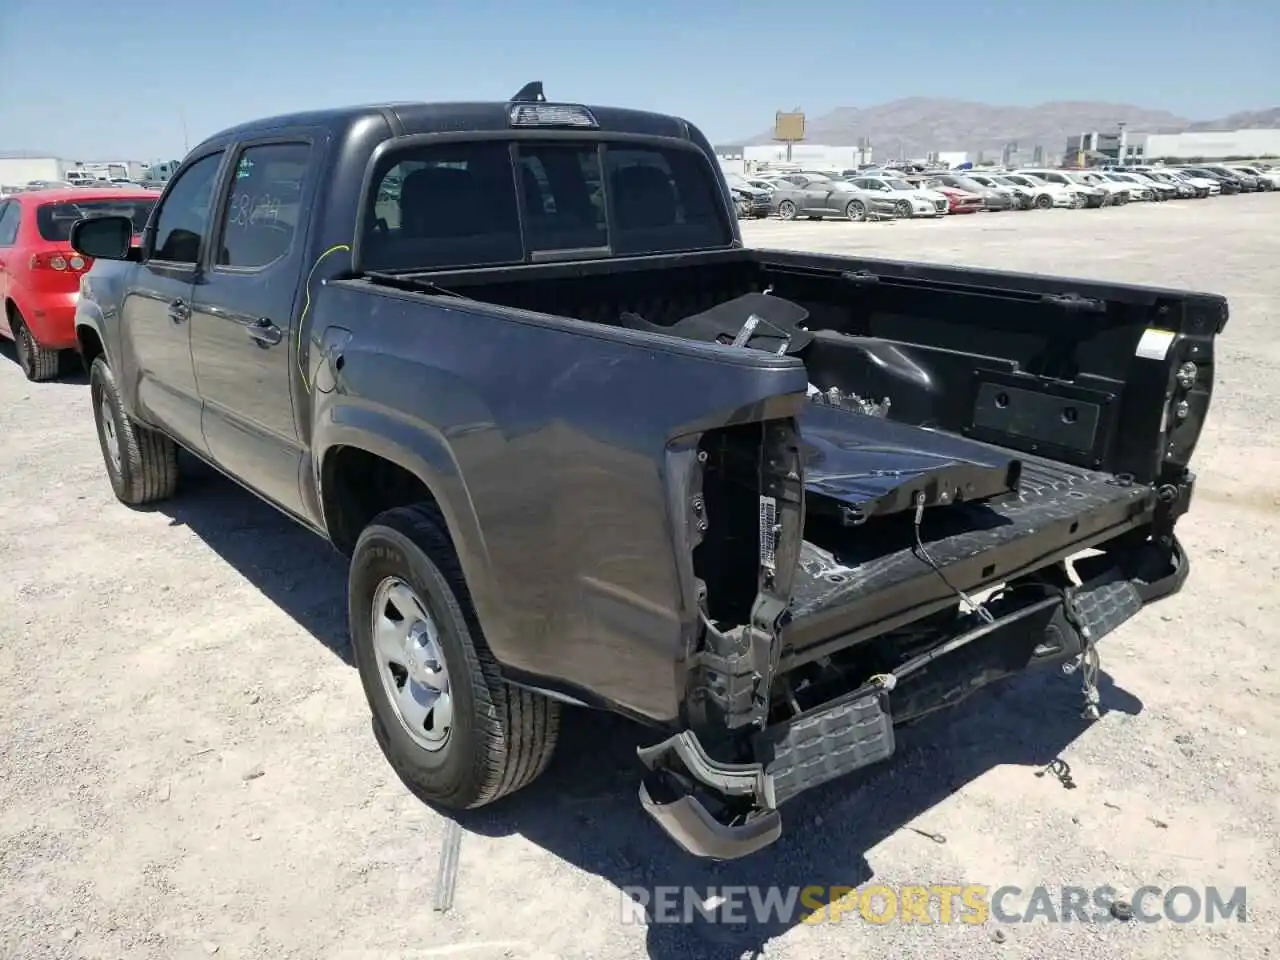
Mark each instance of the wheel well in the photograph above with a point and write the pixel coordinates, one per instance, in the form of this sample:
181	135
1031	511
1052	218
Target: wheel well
90	345
356	486
10	311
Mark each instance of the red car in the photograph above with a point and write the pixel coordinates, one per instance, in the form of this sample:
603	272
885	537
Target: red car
960	201
40	273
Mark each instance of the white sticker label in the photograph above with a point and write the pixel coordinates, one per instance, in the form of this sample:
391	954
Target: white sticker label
1155	344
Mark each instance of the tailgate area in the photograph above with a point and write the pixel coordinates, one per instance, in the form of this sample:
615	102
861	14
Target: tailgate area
864	580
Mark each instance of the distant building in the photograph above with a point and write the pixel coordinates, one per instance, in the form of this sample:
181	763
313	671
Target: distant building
949	158
814	155
1213	145
1097	148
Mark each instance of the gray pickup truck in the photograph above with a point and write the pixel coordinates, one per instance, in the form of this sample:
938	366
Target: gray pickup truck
587	451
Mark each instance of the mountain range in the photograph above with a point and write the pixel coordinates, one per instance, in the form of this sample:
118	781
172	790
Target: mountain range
916	126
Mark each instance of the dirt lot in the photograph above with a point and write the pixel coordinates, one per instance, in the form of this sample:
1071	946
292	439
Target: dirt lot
187	767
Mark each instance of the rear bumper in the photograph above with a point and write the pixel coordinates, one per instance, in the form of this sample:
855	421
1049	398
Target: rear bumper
51	317
725	811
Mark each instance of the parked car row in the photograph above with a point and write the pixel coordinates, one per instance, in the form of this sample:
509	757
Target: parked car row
85	183
40	272
876	193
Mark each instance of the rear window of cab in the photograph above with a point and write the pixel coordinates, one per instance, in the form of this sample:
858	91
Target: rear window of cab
481	203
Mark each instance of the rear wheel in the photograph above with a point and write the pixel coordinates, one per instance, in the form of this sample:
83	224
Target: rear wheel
38	363
446	721
787	210
142	464
856	210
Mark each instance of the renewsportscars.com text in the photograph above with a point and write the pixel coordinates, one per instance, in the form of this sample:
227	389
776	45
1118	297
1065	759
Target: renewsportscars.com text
930	904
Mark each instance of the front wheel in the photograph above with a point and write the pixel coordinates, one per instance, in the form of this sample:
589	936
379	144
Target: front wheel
902	209
1044	201
856	210
446	721
142	464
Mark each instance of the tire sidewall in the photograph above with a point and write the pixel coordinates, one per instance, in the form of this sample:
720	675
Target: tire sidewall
102	386
1044	201
856	210
382	552
787	210
24	347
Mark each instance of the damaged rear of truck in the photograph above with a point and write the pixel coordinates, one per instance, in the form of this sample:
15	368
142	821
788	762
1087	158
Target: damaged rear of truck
987	481
583	447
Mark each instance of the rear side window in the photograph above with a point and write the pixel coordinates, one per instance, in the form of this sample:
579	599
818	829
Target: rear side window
10	216
54	220
262	210
463	205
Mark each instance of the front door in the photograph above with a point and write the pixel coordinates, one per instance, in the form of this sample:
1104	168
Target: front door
155	313
242	336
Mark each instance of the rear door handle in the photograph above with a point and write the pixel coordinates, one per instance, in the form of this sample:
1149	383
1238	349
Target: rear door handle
179	311
265	333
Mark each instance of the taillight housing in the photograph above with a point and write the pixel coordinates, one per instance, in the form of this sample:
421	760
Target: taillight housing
60	262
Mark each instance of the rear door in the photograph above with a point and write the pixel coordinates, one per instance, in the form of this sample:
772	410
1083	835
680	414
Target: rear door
242	339
156	310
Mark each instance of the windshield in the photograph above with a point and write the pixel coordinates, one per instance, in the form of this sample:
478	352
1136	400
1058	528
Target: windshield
1077	178
455	205
965	183
1004	181
54	220
896	184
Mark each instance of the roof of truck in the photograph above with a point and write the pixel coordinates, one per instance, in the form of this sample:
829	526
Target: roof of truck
407	118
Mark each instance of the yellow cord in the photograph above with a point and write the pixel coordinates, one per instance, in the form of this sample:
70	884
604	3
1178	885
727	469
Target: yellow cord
306	306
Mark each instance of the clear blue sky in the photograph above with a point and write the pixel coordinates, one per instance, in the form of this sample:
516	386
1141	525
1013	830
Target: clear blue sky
116	79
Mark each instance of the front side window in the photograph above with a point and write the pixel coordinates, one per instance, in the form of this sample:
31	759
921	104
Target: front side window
183	218
263	208
463	204
54	220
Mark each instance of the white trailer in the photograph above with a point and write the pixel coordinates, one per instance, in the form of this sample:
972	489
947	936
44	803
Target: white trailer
16	171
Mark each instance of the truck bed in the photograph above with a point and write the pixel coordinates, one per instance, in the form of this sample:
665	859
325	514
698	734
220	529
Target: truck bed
872	578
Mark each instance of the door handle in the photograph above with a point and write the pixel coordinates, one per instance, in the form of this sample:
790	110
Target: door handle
265	333
179	311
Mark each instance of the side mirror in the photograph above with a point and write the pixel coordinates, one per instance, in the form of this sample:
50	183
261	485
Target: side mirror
103	238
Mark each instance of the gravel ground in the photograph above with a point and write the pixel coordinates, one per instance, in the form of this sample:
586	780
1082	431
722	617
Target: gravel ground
187	767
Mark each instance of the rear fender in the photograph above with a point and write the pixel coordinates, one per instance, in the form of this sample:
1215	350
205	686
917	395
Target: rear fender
428	457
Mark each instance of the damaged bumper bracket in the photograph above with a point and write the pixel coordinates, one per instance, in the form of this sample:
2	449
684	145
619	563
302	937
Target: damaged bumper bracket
724	811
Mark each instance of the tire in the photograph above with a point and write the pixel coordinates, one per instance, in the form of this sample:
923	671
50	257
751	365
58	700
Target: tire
787	210
144	467
38	363
1044	202
1121	199
902	209
500	738
856	211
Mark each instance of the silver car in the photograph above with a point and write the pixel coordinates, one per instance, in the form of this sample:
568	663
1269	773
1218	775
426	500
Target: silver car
804	195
